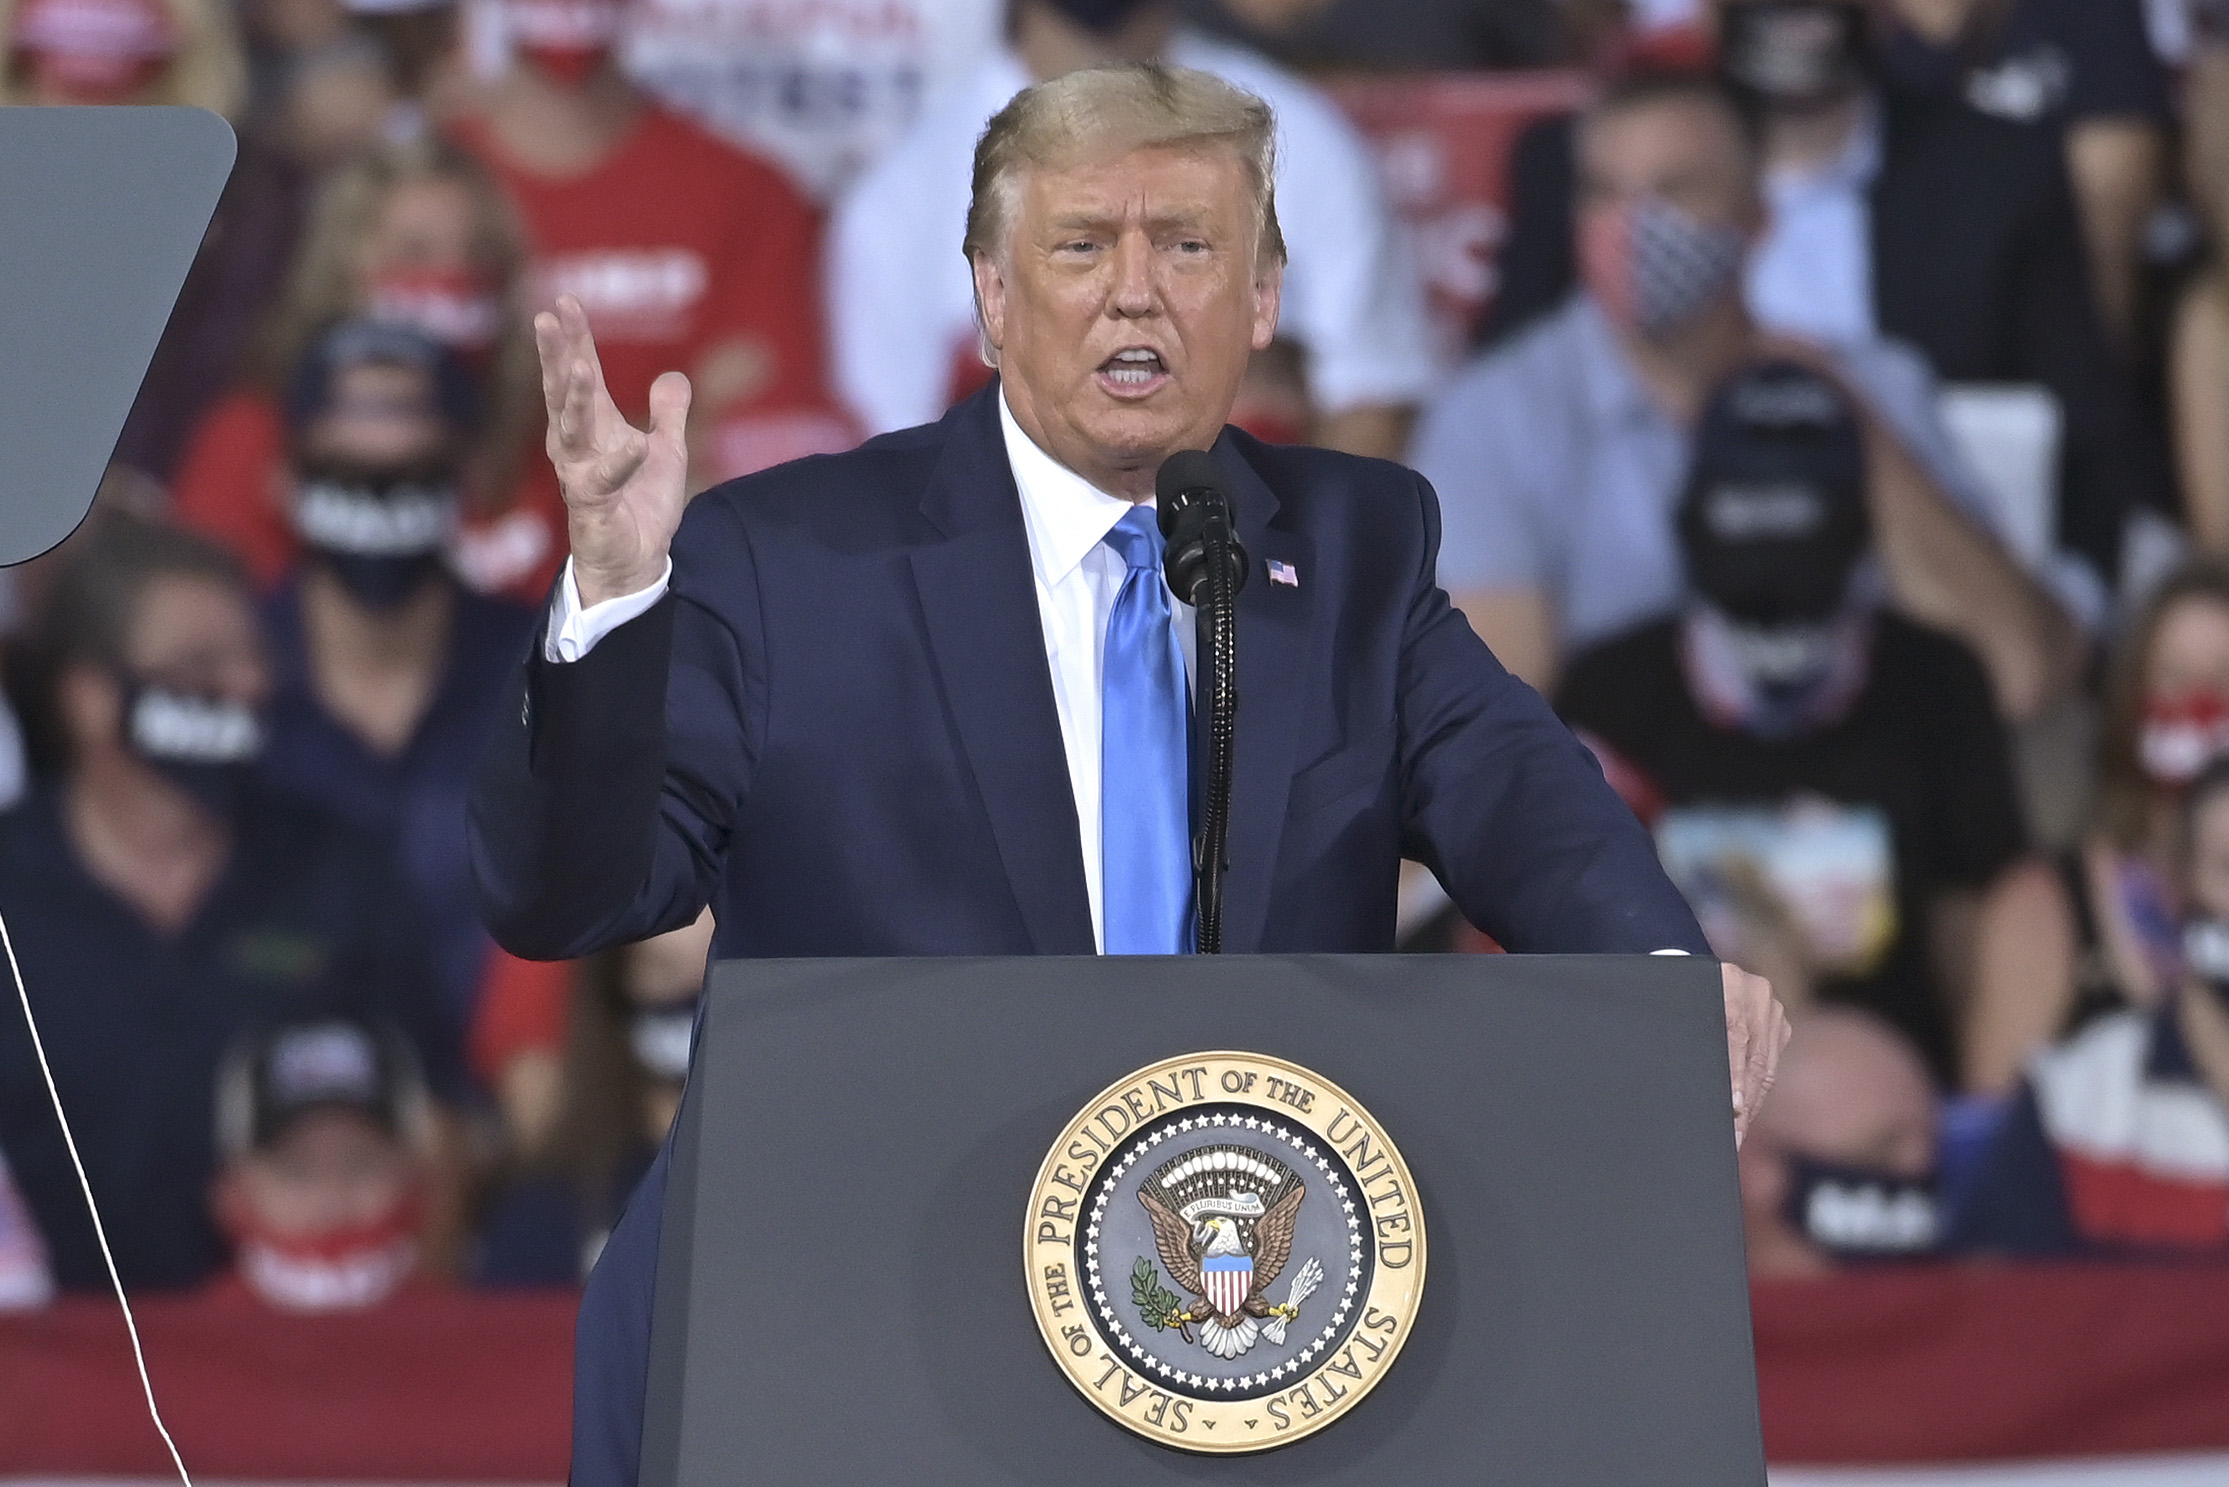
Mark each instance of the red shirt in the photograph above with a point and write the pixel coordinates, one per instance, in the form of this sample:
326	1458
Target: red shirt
676	243
231	484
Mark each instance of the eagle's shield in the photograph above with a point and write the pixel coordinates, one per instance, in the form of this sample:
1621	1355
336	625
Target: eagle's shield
1230	1280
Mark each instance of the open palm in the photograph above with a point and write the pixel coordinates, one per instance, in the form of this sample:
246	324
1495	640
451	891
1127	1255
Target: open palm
624	488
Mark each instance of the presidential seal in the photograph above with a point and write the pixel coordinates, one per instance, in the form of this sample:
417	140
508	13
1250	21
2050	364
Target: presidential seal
1224	1252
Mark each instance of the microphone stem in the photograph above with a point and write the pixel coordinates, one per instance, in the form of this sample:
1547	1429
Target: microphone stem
1218	634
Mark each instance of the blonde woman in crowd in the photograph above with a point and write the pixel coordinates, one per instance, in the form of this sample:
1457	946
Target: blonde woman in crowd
2167	717
417	234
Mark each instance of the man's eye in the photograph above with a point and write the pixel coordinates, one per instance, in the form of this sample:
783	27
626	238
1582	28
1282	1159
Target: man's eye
1192	245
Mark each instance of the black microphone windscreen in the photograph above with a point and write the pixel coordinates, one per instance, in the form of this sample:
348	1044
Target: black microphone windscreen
1186	470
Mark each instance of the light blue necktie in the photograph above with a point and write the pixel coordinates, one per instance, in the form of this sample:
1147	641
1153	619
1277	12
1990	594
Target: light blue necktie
1145	758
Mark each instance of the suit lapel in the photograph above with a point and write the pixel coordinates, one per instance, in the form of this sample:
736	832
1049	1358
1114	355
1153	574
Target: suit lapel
987	643
1275	675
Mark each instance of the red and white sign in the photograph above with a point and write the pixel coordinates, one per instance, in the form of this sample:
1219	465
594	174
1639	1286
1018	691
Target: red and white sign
1443	143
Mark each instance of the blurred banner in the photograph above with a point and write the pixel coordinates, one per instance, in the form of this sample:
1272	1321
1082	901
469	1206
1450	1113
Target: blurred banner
1981	1376
1443	142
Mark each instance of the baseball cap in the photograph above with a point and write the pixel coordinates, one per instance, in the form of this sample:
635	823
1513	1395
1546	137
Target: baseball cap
273	1076
348	344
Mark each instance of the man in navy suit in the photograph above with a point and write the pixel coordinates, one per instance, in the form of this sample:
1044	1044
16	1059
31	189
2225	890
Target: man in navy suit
929	697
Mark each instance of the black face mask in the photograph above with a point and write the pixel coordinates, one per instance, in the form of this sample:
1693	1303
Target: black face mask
1773	520
206	746
381	532
1859	1213
2206	954
1793	51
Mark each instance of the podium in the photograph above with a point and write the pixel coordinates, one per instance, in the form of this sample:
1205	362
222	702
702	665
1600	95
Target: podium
850	1255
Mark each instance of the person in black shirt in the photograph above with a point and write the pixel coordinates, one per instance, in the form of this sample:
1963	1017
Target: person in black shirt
161	902
2084	69
388	672
1900	214
1797	741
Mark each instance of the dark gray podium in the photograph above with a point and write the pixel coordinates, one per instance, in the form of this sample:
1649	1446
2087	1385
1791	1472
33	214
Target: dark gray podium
101	211
840	1291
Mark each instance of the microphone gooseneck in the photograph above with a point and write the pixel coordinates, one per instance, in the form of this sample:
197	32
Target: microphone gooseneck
1206	567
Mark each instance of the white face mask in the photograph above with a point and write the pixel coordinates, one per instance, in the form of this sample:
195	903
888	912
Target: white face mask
348	1271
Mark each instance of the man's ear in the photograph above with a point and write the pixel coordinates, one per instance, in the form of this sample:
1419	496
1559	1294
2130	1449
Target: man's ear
990	308
1269	290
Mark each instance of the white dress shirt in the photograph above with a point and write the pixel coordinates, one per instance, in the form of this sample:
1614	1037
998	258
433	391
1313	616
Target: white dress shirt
1076	576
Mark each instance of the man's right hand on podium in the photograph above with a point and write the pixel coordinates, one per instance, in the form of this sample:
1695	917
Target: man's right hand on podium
624	489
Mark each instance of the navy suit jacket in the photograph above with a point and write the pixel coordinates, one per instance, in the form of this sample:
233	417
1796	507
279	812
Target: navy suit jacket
839	729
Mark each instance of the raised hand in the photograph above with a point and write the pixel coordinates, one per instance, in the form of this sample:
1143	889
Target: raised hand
624	489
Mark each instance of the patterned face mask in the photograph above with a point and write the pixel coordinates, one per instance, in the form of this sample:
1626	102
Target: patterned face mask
1654	268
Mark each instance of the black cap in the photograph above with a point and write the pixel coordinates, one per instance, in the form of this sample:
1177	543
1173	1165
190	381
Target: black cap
1103	17
1774	516
348	344
275	1075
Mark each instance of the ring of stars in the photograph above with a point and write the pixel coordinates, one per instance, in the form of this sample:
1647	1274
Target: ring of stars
1144	1358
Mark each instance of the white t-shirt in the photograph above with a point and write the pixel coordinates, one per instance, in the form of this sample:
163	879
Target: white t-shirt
902	299
821	86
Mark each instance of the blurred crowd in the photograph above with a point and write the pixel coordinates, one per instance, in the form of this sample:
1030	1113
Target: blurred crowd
1843	446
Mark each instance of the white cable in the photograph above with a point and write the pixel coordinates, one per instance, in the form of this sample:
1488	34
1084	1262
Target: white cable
131	1324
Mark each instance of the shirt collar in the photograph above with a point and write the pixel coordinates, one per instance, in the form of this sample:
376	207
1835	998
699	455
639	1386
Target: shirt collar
1067	515
1851	170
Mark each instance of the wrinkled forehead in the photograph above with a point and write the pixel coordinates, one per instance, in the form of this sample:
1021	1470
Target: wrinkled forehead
1203	182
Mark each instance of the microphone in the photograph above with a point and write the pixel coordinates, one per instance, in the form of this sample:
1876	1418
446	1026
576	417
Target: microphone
1206	566
1195	517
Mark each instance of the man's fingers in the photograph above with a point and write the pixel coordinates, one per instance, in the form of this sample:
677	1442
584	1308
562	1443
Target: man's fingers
579	341
669	411
574	428
549	347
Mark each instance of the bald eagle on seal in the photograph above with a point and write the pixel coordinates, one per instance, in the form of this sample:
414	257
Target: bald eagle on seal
1225	1245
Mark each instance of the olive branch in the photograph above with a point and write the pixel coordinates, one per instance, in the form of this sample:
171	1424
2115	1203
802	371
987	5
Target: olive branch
1158	1307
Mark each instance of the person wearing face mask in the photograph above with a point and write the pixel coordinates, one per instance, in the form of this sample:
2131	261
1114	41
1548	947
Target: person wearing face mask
2165	719
1806	742
1922	214
1841	1168
161	901
2118	1141
324	1127
612	1095
1903	214
388	671
1560	456
689	252
416	234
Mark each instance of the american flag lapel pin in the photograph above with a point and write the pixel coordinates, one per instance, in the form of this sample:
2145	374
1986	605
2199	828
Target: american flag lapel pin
1284	573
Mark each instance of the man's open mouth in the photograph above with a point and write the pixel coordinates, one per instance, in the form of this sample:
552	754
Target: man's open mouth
1134	369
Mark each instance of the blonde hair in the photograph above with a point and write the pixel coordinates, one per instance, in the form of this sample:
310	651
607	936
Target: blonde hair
209	70
322	286
1101	112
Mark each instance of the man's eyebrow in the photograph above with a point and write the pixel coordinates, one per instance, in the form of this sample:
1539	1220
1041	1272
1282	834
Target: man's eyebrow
1195	218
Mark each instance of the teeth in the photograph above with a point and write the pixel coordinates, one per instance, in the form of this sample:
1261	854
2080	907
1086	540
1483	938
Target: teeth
1134	368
